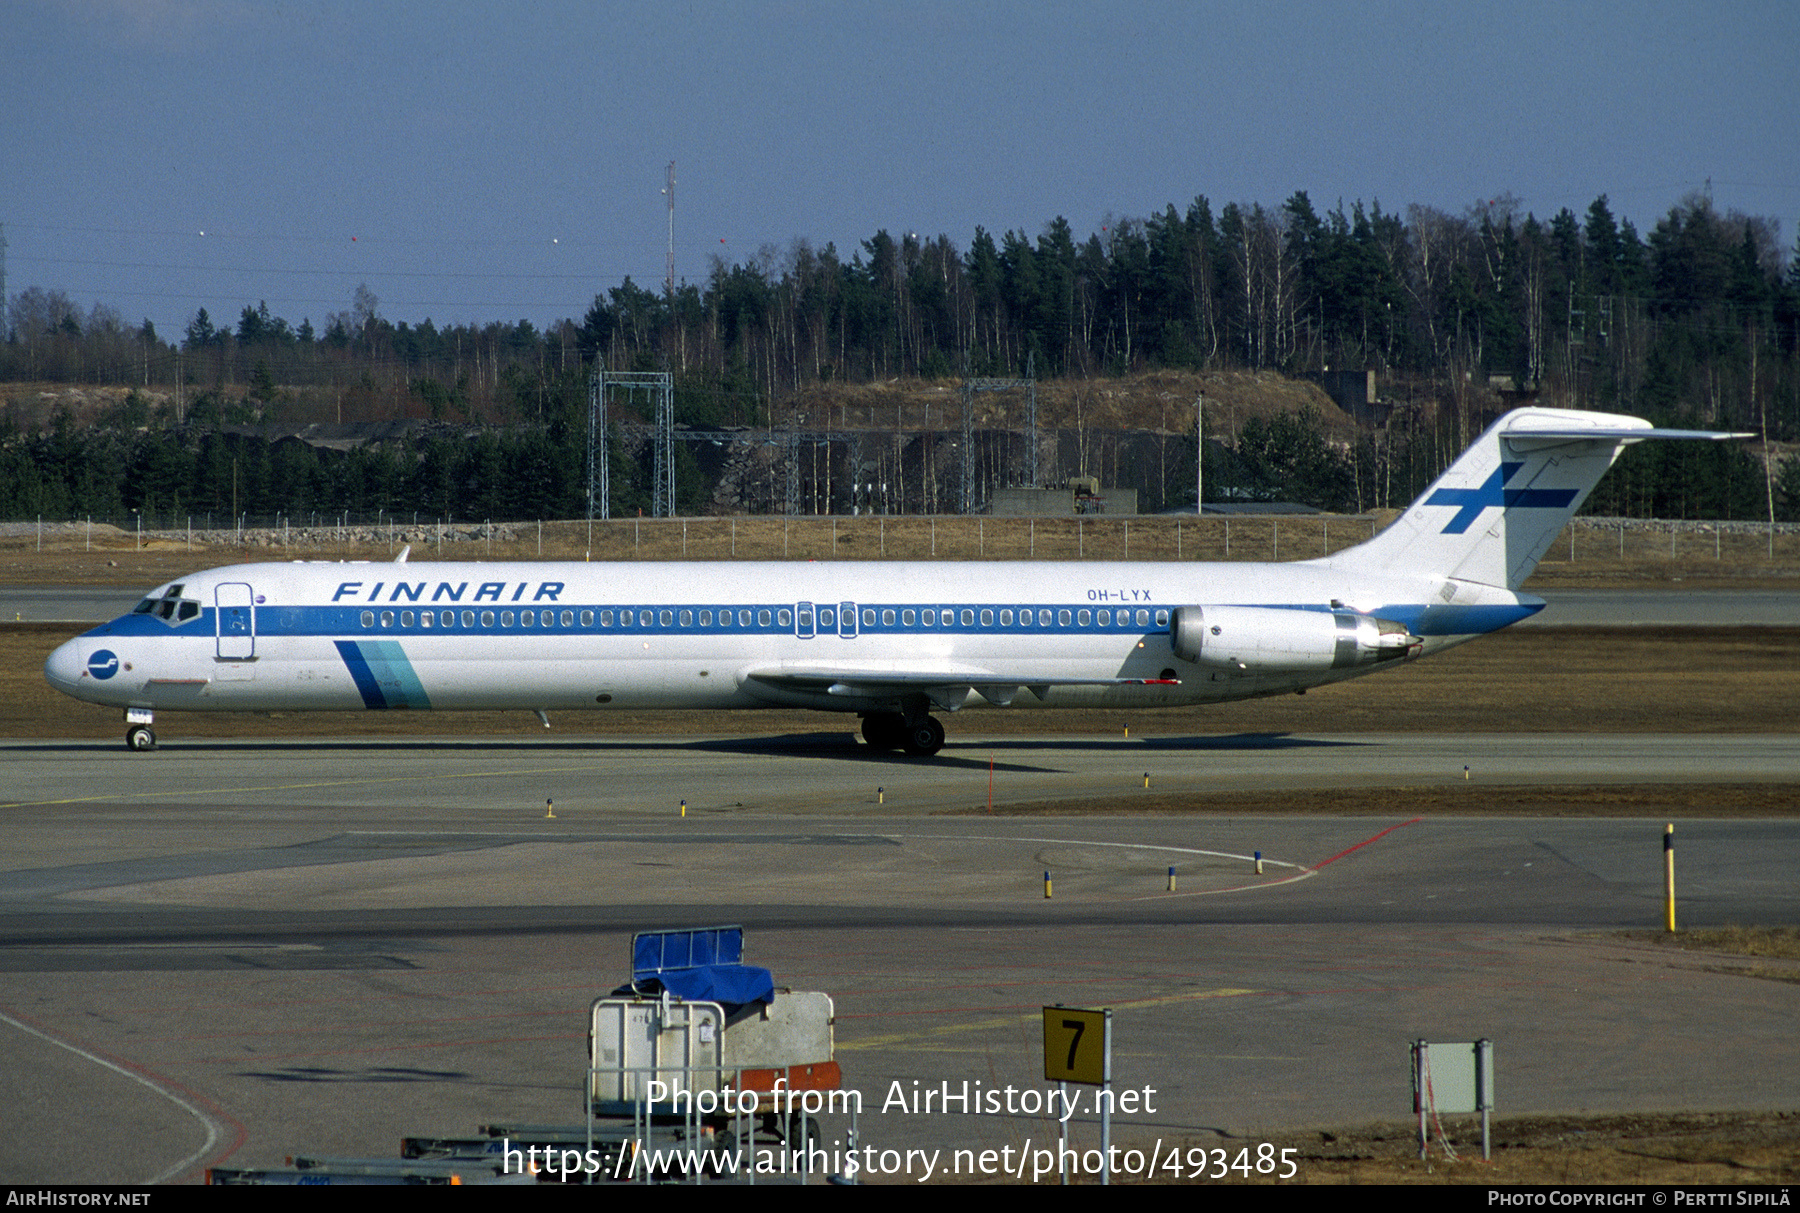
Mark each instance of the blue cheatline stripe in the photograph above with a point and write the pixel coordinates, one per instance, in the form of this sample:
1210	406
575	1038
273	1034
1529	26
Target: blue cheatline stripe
332	621
386	678
383	676
395	674
361	674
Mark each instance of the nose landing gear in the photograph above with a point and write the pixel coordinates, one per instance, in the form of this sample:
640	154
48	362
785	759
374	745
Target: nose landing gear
139	736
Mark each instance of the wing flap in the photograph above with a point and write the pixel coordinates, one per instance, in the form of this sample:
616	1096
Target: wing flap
943	687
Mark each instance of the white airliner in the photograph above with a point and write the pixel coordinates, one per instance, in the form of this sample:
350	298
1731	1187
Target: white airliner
888	641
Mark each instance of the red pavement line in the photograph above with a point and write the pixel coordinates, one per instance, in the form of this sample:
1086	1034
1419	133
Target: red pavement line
157	1082
1365	842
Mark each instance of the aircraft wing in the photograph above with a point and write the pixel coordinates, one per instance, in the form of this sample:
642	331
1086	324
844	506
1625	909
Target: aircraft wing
947	688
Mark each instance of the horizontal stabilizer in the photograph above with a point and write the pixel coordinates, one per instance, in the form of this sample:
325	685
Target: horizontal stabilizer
1528	437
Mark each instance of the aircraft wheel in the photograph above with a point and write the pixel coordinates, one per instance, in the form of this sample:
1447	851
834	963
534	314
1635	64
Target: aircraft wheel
140	737
884	730
924	738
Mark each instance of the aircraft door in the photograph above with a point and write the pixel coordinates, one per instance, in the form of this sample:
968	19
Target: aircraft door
847	620
234	613
803	620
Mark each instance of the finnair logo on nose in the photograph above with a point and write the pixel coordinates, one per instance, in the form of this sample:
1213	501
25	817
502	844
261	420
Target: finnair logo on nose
1470	502
103	664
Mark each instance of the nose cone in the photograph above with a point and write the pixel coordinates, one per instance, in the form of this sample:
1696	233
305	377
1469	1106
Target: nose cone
82	668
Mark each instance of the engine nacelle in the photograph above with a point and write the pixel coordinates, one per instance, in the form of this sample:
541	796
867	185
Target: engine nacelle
1256	640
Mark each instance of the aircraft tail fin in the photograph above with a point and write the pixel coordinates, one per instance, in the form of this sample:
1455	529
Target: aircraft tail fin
1491	516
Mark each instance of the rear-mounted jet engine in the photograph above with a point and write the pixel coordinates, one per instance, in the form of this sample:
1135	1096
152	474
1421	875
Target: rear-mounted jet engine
1255	640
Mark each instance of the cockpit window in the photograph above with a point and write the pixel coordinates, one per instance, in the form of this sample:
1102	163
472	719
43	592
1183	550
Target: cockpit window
169	606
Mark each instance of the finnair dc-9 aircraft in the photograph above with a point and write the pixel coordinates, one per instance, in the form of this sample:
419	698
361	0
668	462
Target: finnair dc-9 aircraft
889	641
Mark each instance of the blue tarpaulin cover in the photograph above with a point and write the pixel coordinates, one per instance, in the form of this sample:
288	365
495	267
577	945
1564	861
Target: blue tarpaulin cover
703	964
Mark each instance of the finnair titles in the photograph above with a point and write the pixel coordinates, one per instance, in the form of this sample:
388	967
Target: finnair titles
892	642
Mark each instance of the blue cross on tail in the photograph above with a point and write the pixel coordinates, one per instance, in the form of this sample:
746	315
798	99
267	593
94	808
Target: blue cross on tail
1470	502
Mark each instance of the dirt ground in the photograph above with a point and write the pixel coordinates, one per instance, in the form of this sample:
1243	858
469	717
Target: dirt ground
1686	1148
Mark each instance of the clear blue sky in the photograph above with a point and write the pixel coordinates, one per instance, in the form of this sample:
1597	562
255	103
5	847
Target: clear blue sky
476	162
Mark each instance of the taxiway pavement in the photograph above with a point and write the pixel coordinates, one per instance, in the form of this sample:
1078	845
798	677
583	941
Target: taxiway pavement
247	950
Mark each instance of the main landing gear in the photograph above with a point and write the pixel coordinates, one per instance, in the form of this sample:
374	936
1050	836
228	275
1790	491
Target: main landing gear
922	737
139	736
